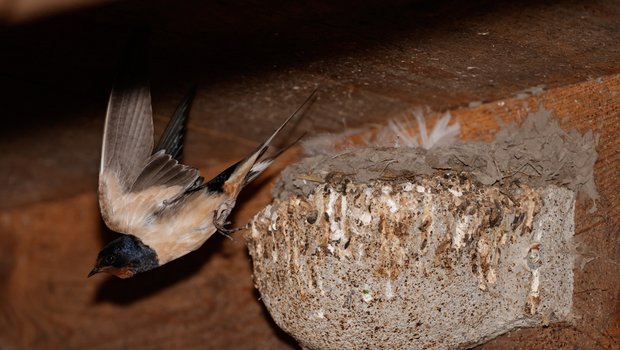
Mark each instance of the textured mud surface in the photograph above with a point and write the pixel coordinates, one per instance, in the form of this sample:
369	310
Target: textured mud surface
436	262
537	152
411	248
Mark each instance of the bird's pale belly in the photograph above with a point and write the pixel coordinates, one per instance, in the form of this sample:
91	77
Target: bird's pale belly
181	230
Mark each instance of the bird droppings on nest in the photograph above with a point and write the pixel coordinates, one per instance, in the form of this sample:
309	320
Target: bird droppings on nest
442	246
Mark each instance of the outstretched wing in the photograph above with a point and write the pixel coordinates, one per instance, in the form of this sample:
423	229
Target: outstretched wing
128	132
135	185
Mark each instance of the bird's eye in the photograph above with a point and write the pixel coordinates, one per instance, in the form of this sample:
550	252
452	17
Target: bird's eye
109	260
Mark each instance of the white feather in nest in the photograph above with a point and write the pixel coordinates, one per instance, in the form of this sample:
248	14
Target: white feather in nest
397	133
402	134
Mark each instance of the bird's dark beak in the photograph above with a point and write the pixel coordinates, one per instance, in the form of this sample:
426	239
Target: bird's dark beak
94	271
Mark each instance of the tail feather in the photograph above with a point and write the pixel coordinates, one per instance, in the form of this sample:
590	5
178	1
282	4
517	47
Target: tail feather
263	164
232	180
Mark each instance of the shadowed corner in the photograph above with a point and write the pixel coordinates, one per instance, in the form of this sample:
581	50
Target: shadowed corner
128	291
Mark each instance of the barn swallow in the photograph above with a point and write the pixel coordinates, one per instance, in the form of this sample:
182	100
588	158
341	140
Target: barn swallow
164	208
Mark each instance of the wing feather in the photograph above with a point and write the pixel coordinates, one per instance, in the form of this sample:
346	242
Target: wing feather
134	182
128	132
171	140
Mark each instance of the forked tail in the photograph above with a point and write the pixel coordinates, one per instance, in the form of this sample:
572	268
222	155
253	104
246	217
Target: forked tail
232	180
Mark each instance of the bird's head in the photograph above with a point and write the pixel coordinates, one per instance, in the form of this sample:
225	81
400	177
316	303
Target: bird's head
125	257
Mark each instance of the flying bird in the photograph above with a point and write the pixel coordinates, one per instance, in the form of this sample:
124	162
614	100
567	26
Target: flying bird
164	209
